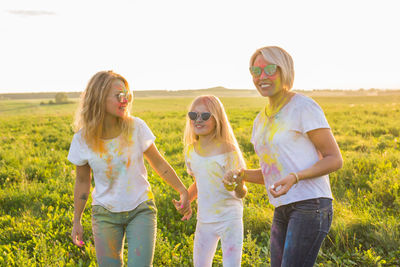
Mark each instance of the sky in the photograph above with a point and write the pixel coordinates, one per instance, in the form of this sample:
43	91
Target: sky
54	45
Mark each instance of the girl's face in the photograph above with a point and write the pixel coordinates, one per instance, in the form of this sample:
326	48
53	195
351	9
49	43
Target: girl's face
117	99
265	84
201	127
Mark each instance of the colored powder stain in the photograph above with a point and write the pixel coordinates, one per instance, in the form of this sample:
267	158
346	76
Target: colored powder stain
128	163
150	195
274	169
229	251
109	170
273	129
268	159
137	251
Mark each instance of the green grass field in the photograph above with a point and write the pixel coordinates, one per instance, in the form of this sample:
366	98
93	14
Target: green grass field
36	183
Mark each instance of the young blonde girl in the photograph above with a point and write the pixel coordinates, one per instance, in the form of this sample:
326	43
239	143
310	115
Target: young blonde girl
110	144
211	150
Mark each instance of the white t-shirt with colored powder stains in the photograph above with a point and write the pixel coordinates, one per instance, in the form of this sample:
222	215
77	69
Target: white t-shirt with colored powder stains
282	144
214	202
119	173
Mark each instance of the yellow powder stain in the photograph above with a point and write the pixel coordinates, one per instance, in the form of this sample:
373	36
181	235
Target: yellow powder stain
273	129
109	170
150	195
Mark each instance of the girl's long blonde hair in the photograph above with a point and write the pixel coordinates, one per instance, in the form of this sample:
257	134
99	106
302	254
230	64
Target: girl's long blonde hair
223	131
92	109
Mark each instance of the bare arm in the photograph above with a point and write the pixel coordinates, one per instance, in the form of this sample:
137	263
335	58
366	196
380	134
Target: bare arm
81	194
192	192
243	175
330	161
162	167
253	176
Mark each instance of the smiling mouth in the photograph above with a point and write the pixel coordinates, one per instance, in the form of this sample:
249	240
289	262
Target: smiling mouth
265	85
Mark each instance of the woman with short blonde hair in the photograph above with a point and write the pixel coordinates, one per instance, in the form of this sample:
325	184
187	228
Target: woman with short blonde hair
296	152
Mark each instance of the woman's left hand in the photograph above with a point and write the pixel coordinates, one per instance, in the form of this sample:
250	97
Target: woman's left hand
282	186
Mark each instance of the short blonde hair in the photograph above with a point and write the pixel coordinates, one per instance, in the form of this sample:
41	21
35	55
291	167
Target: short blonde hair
280	57
223	129
92	109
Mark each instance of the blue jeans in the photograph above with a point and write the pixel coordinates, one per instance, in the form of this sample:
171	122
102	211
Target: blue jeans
298	230
110	228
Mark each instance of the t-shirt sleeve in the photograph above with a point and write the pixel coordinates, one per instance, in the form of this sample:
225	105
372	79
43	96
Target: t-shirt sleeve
76	154
146	136
311	117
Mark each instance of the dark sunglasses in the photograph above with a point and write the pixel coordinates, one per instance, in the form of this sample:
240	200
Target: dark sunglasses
269	70
195	115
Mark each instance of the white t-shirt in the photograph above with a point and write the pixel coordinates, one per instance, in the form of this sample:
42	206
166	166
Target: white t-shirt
214	202
119	173
282	145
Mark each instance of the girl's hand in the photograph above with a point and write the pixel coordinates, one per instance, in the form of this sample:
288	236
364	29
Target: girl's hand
187	215
282	186
233	177
77	234
179	207
183	205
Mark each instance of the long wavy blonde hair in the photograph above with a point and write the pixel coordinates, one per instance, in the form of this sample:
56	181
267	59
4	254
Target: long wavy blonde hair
223	130
92	109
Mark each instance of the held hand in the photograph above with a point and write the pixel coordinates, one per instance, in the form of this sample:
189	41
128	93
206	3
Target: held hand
282	186
179	207
187	215
232	179
183	205
77	234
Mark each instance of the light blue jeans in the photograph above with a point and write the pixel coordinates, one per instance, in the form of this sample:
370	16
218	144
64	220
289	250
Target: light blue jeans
139	227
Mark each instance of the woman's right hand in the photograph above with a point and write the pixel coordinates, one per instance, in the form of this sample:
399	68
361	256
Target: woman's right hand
77	234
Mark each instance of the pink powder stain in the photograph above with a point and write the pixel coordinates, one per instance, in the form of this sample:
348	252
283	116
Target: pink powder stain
230	250
137	252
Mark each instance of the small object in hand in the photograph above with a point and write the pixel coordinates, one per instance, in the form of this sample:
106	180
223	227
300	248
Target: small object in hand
230	186
272	186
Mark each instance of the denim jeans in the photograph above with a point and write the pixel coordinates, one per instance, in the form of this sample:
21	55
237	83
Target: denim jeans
109	230
298	230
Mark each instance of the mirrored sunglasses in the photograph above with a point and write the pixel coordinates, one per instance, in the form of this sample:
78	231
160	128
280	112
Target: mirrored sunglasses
124	96
205	116
269	70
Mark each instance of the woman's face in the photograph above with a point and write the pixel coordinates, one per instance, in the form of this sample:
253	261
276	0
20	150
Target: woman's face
117	99
265	84
201	127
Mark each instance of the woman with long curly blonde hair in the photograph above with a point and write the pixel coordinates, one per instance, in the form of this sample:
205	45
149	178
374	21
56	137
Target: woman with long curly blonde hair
111	144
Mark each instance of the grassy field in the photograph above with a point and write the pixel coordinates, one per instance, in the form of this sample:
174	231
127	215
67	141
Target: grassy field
36	183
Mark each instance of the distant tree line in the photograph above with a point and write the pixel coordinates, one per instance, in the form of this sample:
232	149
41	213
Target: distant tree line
60	98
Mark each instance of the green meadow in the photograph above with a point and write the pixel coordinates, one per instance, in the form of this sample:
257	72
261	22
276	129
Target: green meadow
36	183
